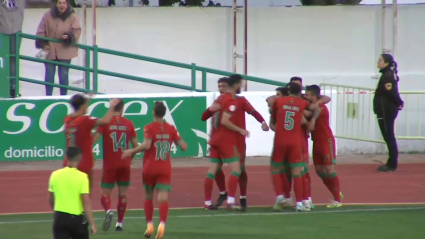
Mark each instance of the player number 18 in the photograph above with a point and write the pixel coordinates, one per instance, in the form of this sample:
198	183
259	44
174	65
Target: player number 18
162	150
289	120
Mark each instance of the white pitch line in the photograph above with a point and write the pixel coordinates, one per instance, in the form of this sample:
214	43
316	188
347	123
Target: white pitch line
417	185
246	214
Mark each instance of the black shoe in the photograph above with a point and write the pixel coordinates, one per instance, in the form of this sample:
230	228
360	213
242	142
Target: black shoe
386	169
118	229
244	206
209	207
107	221
221	199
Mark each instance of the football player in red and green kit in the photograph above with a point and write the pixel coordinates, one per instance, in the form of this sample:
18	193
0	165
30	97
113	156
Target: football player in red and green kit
282	91
117	136
324	148
159	137
238	120
307	200
286	118
78	127
223	142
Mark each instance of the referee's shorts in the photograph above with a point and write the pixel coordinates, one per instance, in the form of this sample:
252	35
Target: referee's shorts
66	226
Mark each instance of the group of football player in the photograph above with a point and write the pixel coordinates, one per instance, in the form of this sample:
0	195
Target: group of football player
294	117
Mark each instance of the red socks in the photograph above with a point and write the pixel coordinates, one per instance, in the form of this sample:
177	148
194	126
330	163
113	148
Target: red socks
277	183
308	180
233	184
220	180
298	188
305	187
208	186
121	208
105	200
286	185
334	186
332	183
326	181
243	183
148	206
163	212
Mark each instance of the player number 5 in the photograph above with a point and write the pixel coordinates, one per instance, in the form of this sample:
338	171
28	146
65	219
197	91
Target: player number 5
162	150
289	121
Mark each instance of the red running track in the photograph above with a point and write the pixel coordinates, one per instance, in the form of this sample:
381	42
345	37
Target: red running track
26	191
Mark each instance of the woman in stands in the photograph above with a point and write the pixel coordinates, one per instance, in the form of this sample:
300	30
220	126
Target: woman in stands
386	104
60	23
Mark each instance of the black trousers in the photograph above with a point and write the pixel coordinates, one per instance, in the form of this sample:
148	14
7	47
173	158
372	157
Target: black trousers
386	123
67	226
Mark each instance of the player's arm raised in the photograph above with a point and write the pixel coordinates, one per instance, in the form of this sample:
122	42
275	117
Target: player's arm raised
96	136
108	116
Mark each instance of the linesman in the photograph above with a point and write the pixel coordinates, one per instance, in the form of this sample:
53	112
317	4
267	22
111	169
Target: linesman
69	198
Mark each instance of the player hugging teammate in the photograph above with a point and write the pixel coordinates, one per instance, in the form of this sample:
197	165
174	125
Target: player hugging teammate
238	118
323	146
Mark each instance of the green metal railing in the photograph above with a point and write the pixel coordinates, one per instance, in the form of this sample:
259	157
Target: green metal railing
355	120
92	70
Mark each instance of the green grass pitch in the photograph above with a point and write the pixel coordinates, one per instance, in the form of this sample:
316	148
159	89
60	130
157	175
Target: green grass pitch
348	222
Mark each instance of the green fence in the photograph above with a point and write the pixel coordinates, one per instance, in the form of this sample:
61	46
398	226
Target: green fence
92	70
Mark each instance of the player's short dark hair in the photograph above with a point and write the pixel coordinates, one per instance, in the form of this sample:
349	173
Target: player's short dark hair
119	106
294	88
296	78
72	153
77	101
159	109
234	79
223	80
314	89
282	90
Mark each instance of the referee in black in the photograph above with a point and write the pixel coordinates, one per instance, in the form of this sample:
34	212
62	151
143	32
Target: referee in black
69	198
386	104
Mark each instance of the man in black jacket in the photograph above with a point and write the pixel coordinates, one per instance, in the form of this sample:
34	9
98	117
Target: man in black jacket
386	104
